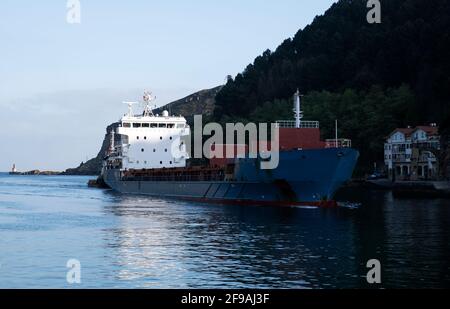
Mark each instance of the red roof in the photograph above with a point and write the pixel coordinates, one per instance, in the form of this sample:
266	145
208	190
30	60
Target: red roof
430	130
406	131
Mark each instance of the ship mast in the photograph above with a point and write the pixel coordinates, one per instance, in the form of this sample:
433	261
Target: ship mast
297	109
148	98
130	108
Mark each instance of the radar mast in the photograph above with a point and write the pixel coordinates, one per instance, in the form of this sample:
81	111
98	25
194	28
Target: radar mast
148	98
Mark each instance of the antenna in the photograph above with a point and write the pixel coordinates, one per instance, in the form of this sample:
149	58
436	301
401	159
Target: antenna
148	98
130	108
336	133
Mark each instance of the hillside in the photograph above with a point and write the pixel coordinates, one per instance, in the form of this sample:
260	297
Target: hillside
371	77
94	166
352	70
199	103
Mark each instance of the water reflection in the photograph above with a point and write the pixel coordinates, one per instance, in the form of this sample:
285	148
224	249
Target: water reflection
134	241
231	246
178	244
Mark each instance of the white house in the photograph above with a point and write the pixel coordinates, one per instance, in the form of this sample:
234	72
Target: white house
409	153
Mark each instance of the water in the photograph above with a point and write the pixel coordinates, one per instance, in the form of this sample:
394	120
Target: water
140	242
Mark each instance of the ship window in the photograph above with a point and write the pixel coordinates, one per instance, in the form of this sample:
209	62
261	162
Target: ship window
137	162
126	125
165	150
154	150
180	125
171	125
137	137
171	163
162	125
171	138
142	150
136	125
160	162
146	125
145	162
145	137
160	138
153	125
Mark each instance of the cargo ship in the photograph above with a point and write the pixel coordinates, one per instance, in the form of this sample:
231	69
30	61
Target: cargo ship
141	160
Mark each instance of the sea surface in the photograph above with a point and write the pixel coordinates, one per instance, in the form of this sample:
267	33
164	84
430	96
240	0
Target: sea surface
125	241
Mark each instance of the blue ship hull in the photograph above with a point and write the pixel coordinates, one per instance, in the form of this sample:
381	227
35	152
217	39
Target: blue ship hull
303	177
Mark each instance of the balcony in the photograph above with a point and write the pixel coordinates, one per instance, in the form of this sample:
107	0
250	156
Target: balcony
427	145
401	158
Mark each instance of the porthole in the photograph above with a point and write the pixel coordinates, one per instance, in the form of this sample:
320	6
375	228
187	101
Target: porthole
160	138
171	138
142	150
154	150
145	137
160	162
165	150
137	137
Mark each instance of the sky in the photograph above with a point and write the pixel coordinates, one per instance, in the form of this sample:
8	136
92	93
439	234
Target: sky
61	84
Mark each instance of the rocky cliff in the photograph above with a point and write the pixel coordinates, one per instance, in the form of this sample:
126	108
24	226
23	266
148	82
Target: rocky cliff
199	103
94	166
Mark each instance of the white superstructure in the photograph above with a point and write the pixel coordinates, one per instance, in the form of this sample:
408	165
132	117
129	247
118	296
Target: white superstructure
148	141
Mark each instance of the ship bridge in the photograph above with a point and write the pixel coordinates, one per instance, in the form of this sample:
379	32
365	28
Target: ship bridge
148	141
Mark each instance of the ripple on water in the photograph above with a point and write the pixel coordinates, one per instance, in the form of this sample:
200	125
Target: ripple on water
135	241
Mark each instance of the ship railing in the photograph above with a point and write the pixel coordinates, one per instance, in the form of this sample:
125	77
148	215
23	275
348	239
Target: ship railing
185	178
289	124
338	143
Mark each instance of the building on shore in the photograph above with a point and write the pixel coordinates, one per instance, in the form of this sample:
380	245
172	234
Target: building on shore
411	153
14	170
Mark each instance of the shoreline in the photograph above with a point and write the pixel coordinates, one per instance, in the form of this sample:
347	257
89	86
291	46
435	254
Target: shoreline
45	173
406	189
